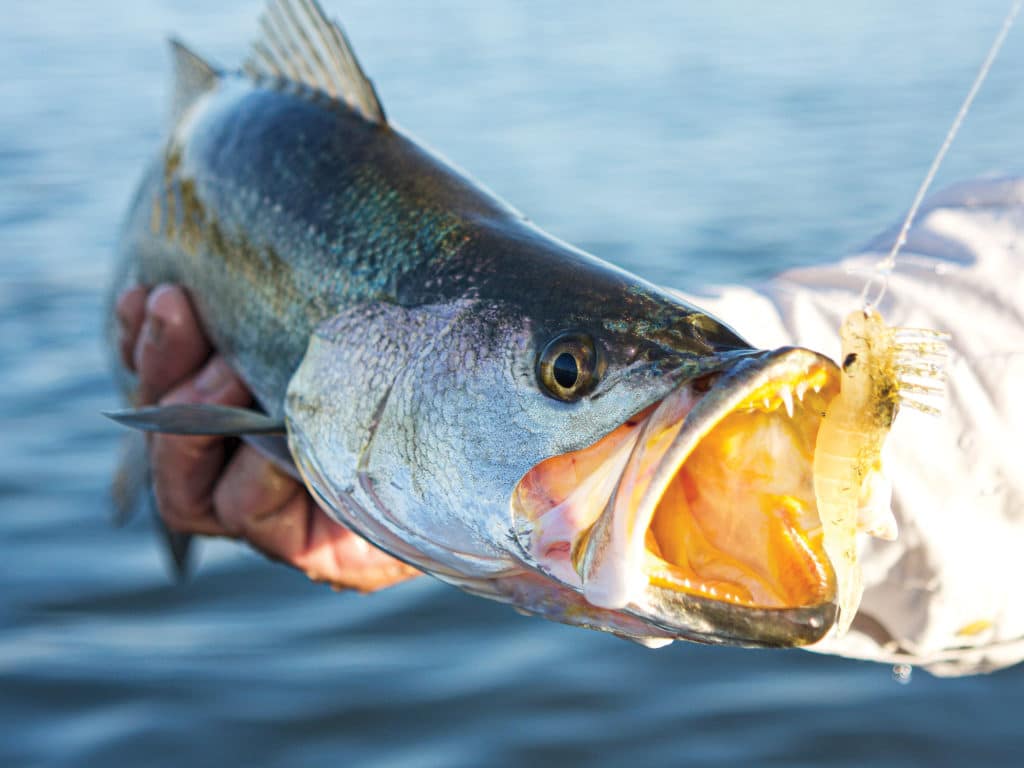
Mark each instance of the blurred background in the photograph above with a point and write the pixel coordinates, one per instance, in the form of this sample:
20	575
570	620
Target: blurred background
693	143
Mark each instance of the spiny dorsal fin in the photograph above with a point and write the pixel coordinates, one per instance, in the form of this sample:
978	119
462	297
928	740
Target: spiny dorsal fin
192	78
301	45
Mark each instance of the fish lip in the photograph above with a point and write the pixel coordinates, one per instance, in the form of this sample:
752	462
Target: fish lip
705	619
713	622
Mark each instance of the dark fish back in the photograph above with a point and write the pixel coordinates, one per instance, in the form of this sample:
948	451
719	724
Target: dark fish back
277	207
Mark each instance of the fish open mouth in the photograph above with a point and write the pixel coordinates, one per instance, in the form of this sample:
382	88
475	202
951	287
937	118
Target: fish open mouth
698	514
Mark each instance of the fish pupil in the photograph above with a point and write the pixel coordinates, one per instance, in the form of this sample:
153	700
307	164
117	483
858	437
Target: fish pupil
566	370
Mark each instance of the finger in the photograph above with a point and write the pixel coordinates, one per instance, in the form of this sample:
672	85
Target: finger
251	489
130	311
186	469
171	345
346	560
258	502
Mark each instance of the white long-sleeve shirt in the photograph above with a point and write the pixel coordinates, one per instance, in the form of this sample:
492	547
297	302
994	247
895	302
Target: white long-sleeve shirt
948	594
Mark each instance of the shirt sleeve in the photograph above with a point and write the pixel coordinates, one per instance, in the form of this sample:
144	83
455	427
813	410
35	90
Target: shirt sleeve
946	594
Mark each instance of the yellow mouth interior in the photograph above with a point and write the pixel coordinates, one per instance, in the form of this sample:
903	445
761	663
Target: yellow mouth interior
738	521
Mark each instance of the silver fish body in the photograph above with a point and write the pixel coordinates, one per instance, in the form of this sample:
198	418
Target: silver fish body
399	318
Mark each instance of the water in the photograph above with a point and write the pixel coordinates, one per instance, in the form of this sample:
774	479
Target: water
690	144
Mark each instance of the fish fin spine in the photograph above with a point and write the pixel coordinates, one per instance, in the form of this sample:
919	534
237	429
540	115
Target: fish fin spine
300	46
193	77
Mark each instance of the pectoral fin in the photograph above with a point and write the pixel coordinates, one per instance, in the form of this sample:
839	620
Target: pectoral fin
132	486
198	419
274	448
264	433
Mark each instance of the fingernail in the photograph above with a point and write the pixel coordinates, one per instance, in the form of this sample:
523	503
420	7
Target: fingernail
213	377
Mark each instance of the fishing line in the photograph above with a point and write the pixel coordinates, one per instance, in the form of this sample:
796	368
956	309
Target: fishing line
884	268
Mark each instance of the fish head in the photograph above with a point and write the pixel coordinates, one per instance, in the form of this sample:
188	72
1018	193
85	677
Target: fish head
609	456
684	497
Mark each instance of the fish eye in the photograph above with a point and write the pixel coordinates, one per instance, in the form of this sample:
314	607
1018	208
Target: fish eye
567	368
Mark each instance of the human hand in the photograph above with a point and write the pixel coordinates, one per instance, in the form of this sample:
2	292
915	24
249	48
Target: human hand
201	486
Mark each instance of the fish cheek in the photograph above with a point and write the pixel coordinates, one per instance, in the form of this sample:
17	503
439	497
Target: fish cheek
456	419
406	411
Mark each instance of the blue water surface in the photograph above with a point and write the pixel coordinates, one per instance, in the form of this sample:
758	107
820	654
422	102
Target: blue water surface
690	142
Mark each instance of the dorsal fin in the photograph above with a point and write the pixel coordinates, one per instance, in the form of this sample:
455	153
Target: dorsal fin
192	78
301	45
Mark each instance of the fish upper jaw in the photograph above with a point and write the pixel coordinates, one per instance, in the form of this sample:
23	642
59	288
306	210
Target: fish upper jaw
698	514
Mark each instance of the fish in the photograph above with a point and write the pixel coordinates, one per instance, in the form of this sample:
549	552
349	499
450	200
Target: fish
472	395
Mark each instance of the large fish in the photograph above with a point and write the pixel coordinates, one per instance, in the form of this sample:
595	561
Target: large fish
472	395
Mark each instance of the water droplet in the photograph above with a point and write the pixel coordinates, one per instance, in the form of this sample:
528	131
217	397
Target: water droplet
902	673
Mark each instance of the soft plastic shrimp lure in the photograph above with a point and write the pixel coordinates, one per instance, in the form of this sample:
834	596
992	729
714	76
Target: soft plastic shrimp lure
882	369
